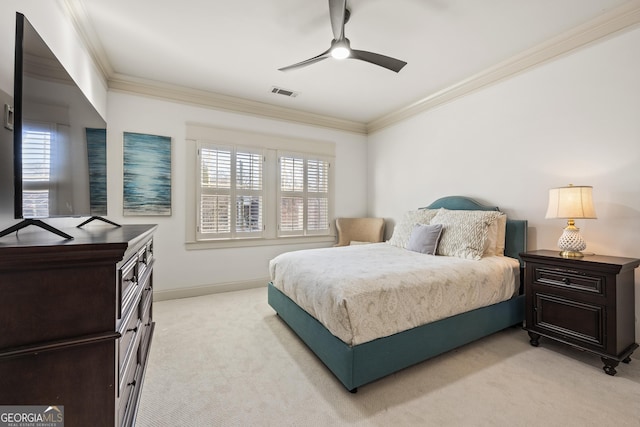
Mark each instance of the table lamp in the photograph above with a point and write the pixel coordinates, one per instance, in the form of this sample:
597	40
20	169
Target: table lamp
571	202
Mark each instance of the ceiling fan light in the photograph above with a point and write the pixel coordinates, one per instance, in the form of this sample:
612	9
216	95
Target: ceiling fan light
340	52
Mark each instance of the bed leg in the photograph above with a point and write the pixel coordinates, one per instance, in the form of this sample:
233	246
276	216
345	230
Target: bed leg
353	390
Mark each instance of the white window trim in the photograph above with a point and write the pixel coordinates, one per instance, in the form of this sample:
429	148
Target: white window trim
271	145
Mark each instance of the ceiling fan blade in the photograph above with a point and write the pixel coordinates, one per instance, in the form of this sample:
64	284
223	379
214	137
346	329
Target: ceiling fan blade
337	10
377	59
306	62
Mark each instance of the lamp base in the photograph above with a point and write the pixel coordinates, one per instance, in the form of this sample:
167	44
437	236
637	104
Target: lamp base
571	254
571	242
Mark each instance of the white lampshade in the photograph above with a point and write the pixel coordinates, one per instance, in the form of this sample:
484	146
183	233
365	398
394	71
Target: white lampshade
571	202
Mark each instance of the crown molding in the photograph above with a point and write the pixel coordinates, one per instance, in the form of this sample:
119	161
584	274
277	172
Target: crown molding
82	23
153	89
616	20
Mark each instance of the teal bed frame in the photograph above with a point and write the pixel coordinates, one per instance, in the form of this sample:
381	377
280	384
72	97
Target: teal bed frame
357	365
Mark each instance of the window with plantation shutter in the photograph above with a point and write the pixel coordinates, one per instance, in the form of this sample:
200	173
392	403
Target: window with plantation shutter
253	189
231	192
37	142
303	195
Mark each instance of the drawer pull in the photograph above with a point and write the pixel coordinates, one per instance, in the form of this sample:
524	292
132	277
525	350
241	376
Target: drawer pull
133	279
133	329
132	383
566	280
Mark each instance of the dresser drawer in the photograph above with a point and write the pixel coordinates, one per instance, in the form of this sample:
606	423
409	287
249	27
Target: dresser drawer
570	279
145	327
145	256
127	285
129	331
128	394
127	363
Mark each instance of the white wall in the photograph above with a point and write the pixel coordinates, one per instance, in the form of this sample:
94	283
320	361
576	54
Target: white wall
574	120
182	269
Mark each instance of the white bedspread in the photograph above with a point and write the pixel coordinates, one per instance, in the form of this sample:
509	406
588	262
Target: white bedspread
360	293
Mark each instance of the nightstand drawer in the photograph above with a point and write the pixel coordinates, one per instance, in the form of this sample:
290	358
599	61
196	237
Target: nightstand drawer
570	320
571	279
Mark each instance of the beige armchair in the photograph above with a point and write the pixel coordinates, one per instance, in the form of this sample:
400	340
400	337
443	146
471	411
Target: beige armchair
370	230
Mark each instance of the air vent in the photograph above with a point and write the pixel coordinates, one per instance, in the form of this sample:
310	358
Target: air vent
285	92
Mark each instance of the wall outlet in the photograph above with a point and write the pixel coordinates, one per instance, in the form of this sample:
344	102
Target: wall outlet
8	116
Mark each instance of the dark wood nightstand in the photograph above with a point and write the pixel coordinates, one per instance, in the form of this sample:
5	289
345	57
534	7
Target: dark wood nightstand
584	302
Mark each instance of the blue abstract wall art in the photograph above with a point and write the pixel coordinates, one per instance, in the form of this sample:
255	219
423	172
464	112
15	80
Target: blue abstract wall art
147	174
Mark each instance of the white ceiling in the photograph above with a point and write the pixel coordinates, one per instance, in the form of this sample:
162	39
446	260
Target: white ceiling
234	48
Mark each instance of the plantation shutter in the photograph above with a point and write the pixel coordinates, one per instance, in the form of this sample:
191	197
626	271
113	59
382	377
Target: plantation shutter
249	199
215	184
303	195
318	196
231	192
291	218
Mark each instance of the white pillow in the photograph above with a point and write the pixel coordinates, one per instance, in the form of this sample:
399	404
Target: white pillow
464	233
494	244
502	233
402	230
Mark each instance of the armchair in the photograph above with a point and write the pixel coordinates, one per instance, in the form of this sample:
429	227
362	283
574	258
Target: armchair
370	230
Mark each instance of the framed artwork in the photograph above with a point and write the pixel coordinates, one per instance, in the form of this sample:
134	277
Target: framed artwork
147	174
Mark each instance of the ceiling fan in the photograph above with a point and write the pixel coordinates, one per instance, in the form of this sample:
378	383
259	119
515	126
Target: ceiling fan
341	47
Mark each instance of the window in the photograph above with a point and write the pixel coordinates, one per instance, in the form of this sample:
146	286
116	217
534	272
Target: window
231	192
37	140
303	195
254	189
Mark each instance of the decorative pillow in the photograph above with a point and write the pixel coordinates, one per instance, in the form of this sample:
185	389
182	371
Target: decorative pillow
404	227
494	244
502	233
464	233
424	238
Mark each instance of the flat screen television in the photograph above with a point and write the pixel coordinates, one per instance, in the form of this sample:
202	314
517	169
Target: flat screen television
59	144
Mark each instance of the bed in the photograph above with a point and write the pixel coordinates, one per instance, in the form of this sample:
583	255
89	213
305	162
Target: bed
355	356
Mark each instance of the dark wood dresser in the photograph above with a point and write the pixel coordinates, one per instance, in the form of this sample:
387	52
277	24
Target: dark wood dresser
76	321
585	302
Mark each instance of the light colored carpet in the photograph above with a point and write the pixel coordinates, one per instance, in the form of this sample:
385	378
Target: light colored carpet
228	360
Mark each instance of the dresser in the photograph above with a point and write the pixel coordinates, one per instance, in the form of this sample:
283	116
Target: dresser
77	320
584	302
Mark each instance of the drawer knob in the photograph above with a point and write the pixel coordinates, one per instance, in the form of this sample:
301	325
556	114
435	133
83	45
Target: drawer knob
132	383
133	329
566	281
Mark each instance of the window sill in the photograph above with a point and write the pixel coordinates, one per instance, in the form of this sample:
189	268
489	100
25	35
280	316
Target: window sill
244	243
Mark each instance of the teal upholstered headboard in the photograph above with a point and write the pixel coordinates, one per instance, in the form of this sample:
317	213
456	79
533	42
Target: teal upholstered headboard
516	234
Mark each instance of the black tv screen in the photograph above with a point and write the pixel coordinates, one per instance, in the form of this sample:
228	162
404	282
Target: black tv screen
59	137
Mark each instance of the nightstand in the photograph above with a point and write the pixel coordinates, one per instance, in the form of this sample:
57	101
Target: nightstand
584	302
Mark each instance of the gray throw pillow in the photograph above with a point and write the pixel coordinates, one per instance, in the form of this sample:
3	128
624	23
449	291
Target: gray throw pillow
424	238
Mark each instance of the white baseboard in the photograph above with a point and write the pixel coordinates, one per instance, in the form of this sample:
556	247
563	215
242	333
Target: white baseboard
197	291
